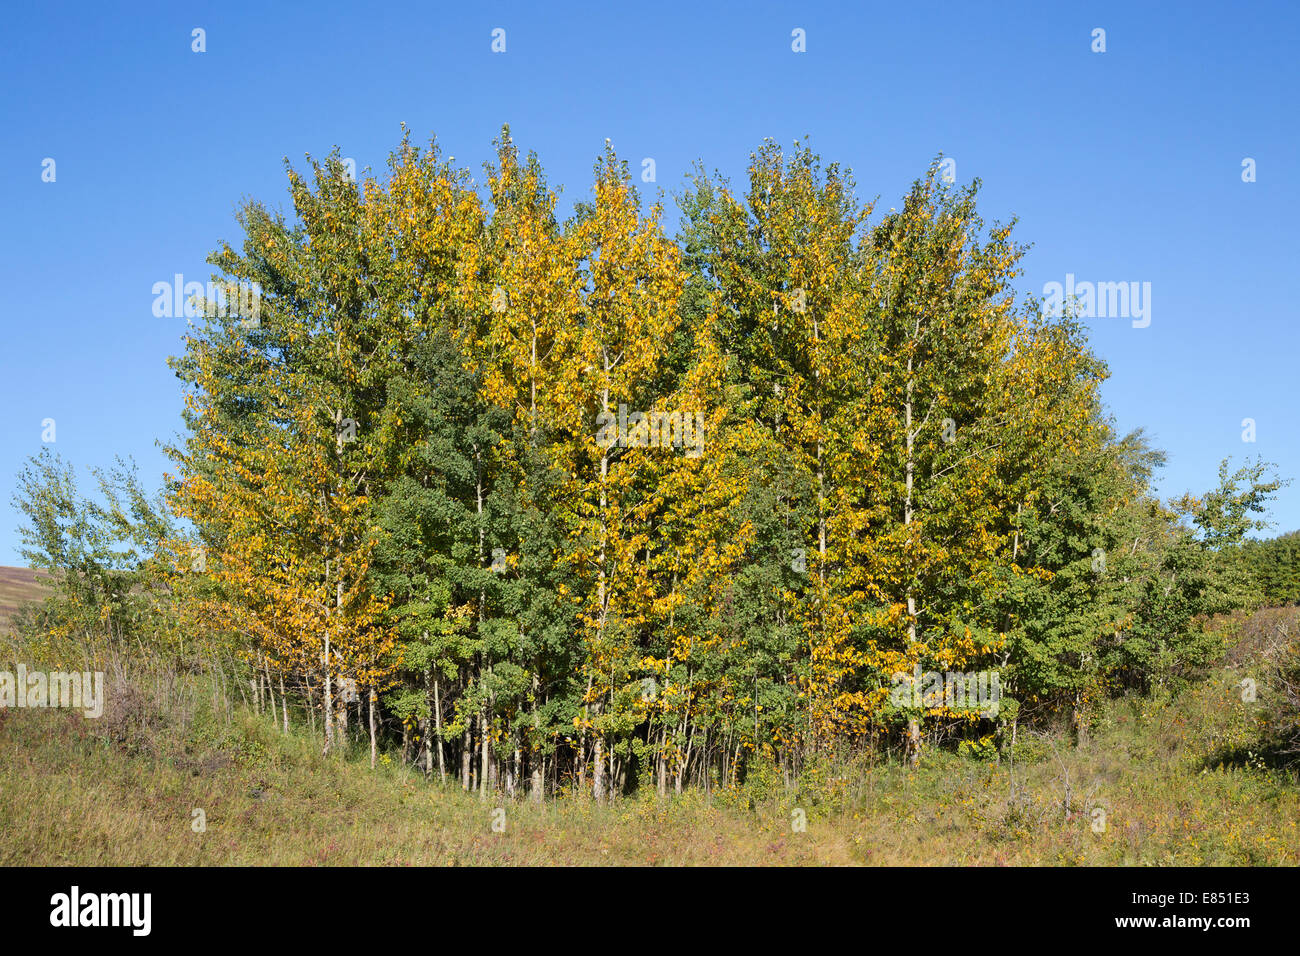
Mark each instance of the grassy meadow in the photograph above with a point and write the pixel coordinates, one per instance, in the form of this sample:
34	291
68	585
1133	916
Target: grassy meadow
1179	780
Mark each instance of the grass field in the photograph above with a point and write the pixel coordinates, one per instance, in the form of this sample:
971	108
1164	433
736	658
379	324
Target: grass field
1180	781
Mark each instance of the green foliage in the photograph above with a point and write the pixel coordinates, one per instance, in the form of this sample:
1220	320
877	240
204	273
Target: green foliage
902	467
1274	565
107	553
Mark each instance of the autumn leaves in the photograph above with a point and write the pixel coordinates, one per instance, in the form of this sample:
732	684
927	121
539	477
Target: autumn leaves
642	429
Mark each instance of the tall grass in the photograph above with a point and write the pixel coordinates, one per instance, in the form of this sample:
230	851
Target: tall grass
1186	780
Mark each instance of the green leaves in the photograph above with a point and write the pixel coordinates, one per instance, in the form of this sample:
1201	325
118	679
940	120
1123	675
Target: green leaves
901	467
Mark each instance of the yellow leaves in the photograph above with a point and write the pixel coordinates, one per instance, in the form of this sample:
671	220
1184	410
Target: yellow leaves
800	361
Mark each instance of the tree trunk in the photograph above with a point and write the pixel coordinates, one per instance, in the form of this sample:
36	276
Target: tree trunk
581	757
483	768
329	699
372	728
284	706
662	760
466	753
913	725
598	771
437	731
270	690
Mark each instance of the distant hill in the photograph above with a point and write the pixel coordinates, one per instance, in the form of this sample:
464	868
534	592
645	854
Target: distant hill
18	586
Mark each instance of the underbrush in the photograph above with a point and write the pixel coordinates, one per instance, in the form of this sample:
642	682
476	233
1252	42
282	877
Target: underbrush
134	787
174	773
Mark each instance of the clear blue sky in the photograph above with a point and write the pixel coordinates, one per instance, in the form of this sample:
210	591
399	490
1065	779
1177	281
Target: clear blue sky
1121	166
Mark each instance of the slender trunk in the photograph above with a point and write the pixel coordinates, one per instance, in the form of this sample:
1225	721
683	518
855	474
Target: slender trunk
483	765
466	752
216	683
494	769
270	690
661	761
437	731
329	698
345	736
821	468
602	596
581	758
913	725
482	531
475	785
515	771
1015	548
685	759
537	776
372	728
311	704
284	706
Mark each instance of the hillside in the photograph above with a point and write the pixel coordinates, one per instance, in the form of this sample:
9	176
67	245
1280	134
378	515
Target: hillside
17	587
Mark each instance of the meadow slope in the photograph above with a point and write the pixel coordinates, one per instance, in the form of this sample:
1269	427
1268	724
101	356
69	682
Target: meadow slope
19	586
1182	781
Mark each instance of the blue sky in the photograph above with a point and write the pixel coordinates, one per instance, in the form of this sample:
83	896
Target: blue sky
1121	166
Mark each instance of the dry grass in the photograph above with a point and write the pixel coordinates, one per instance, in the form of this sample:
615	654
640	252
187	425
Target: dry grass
71	796
1182	782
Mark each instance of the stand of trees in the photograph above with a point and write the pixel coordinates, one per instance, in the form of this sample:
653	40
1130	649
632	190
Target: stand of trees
582	504
1274	564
